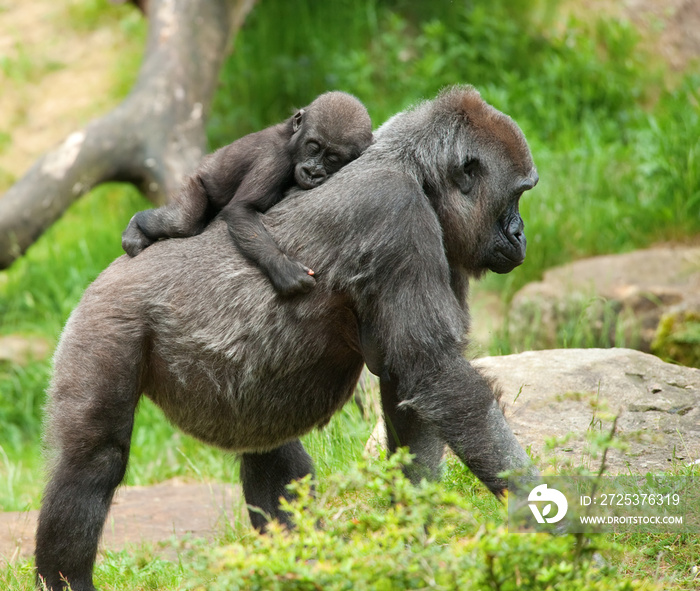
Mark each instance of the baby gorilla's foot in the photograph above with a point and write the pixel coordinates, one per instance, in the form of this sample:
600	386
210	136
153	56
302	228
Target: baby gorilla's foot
292	278
133	239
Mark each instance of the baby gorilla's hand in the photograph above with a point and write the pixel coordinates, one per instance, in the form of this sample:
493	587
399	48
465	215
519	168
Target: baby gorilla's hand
133	239
290	277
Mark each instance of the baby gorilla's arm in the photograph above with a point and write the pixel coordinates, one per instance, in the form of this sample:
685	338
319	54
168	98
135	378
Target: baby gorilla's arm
261	189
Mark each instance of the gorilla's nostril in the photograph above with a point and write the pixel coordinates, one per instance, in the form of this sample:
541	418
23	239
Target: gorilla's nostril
314	173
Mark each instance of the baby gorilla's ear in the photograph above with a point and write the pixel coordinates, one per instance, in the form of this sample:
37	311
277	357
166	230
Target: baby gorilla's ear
297	119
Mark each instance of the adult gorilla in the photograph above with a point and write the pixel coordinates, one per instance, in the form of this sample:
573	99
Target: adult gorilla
393	238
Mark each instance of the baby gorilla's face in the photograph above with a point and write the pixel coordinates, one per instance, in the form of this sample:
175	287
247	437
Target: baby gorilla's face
319	159
332	131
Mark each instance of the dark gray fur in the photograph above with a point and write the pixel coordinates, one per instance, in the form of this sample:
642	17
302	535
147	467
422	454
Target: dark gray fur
246	178
394	237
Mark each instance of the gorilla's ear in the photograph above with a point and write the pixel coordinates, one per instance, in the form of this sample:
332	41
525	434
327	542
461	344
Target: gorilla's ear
297	119
465	175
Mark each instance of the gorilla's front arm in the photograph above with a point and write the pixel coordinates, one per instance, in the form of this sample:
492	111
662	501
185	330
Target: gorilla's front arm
413	337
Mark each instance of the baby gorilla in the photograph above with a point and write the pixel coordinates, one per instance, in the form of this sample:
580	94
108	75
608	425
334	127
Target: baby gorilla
251	175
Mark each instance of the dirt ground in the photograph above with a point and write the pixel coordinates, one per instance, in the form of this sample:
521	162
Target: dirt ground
61	78
142	514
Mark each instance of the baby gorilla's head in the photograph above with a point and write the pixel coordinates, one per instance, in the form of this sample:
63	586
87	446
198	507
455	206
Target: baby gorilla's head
332	131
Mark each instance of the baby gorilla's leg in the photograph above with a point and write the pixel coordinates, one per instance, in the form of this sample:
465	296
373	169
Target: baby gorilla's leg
186	215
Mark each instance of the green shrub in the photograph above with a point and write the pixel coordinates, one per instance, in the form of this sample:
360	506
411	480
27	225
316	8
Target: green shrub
381	533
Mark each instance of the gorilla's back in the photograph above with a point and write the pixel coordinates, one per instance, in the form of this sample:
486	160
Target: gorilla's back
218	348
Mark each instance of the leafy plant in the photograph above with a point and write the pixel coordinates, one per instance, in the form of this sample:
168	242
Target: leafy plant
398	537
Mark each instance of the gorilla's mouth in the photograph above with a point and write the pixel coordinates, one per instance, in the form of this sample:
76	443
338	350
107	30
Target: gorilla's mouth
308	178
504	264
308	183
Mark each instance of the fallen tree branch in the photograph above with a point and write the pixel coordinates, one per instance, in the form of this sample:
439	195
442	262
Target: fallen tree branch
152	139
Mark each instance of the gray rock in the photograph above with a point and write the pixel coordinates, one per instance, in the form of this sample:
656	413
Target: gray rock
549	394
565	394
607	299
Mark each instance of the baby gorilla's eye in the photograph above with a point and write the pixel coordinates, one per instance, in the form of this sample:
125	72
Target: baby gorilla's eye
313	147
333	158
471	166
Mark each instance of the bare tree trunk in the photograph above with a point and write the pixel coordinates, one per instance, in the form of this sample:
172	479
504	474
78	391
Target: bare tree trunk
153	139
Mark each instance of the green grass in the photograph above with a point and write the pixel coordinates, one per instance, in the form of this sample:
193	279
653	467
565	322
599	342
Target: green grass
379	532
38	292
618	154
23	68
88	15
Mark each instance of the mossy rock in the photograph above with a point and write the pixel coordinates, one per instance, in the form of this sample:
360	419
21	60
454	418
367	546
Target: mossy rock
678	337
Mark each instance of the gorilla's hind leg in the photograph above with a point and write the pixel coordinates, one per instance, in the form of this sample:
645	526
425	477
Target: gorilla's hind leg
90	424
74	508
265	477
73	512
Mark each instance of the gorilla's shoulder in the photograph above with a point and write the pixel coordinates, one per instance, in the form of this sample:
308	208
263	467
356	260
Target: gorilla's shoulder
378	186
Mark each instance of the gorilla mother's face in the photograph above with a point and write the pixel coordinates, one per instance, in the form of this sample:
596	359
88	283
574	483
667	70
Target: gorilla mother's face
491	168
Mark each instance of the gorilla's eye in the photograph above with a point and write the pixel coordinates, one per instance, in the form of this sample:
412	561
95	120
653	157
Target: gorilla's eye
313	147
470	167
